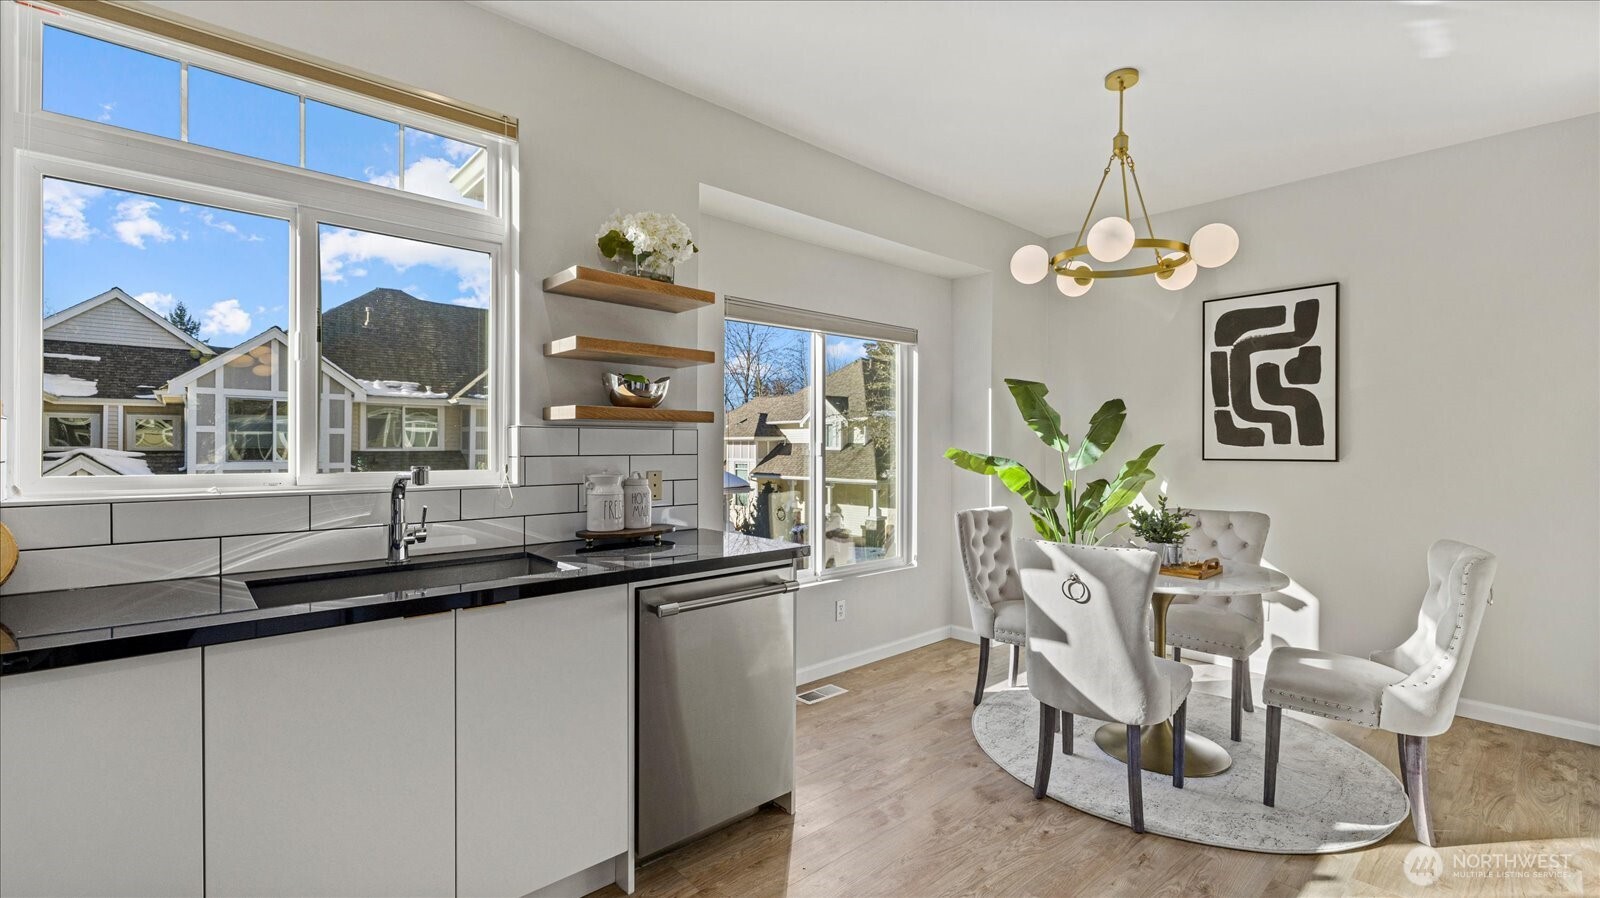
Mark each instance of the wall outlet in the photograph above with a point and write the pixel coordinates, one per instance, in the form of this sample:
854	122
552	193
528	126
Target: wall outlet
838	610
655	484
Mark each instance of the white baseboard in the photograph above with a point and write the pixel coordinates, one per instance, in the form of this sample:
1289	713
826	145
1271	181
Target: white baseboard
843	663
1533	721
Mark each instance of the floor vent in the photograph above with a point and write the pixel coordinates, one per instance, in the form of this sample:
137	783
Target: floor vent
821	693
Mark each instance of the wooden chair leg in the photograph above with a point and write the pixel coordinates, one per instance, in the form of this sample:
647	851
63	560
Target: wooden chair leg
1235	718
1066	733
1269	793
1415	763
983	670
1179	725
1249	697
1016	665
1135	784
1047	737
1177	653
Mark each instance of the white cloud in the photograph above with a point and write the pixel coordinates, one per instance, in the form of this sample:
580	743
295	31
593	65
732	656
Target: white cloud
160	303
135	222
345	247
105	112
224	319
472	302
64	205
227	227
457	150
845	349
429	176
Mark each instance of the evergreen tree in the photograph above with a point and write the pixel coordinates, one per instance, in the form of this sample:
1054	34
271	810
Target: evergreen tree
182	320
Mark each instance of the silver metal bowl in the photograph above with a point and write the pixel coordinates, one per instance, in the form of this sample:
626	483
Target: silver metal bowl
626	394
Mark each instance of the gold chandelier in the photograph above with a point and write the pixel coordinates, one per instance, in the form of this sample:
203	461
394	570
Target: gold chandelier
1174	263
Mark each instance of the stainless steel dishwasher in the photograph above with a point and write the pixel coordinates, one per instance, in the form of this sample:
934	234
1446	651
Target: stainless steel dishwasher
716	703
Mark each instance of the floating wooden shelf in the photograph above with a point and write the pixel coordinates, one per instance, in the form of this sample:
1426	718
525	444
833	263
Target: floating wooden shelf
627	290
598	349
613	413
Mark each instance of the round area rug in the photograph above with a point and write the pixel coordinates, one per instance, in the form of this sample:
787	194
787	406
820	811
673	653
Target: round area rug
1332	796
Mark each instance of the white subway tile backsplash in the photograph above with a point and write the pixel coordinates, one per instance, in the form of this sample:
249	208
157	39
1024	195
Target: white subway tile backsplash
685	492
570	468
552	528
283	550
51	569
672	467
135	522
462	536
683	516
547	440
371	509
624	441
516	501
58	526
685	442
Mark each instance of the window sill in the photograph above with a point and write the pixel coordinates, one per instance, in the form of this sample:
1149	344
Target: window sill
855	572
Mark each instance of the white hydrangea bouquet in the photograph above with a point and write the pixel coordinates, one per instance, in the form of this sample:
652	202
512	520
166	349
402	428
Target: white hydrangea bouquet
650	244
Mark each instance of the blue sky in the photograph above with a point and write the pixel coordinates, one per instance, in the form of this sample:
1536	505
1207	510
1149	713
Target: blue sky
231	269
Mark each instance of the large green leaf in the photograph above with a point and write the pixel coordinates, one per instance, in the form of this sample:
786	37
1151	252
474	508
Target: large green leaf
1041	417
1017	478
1103	430
1124	488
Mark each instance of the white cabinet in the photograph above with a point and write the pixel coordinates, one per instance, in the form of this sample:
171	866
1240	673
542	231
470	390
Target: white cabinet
100	787
330	762
542	739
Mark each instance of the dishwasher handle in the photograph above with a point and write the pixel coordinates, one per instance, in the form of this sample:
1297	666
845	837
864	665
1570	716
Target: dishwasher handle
668	609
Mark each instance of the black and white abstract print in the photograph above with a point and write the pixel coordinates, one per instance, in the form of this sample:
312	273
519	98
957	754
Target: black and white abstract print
1272	376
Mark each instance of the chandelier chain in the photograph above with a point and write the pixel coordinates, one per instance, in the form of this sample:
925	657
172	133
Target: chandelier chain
1092	203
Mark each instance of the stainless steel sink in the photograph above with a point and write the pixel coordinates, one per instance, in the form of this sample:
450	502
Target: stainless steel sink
389	579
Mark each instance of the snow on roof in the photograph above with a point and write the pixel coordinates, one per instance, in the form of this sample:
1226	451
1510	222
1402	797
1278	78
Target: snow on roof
66	385
115	459
402	388
71	357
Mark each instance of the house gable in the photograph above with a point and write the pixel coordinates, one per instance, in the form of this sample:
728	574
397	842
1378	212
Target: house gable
115	317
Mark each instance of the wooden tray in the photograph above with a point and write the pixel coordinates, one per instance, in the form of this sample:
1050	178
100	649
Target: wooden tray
1195	570
653	533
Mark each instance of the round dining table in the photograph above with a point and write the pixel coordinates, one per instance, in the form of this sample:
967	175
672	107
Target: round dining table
1201	756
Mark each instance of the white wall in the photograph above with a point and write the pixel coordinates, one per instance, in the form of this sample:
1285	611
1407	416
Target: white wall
889	608
1468	399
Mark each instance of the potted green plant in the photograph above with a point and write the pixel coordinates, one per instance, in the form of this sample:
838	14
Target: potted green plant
1074	513
1161	528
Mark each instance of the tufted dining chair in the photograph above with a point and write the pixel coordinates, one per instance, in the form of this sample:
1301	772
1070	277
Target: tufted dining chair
1225	626
1410	690
994	592
1088	653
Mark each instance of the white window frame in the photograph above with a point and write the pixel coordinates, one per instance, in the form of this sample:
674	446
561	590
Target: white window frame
96	430
129	431
905	441
35	144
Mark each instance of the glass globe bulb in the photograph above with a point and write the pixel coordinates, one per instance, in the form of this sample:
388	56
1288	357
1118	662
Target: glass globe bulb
1070	286
1213	245
1110	239
1181	277
1030	264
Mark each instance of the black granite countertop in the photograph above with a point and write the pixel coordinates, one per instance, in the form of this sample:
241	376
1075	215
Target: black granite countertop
80	626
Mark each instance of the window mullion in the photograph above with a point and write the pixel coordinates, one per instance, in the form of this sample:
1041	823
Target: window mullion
183	102
817	512
305	407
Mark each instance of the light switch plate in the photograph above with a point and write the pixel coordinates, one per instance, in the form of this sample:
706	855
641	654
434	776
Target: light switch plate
655	484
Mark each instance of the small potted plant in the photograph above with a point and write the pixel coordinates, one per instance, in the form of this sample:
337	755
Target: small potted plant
1161	528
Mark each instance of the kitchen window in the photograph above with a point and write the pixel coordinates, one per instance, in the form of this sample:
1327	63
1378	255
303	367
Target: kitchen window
285	270
824	456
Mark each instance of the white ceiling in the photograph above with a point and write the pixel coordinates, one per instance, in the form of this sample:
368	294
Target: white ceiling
1000	106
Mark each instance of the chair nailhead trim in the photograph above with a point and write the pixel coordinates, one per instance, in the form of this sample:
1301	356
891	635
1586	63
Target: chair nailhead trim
1294	701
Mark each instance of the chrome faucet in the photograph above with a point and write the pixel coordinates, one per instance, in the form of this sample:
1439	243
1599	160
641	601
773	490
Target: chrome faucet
401	537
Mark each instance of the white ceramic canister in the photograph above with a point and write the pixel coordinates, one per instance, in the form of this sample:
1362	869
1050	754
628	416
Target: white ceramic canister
605	502
636	502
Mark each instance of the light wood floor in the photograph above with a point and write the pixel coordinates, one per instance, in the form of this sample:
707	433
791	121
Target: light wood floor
896	799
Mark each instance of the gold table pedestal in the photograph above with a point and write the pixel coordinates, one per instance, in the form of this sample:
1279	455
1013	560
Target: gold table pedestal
1201	756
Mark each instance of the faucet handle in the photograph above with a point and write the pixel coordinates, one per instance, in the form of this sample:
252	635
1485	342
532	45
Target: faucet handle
420	535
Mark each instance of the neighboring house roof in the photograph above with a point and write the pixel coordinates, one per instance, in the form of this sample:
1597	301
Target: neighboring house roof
110	370
399	345
857	463
845	389
174	387
117	294
98	462
470	177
